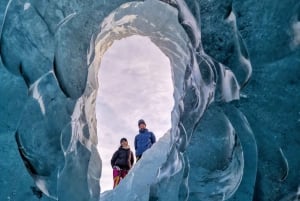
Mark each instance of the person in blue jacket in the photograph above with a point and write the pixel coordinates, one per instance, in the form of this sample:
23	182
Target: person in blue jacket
143	140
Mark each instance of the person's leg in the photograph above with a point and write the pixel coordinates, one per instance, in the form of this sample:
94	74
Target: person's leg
116	176
124	173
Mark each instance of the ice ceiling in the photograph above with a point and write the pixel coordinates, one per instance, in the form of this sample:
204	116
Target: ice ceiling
50	55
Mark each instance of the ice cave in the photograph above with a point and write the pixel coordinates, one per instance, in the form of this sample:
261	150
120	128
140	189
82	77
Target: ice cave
234	71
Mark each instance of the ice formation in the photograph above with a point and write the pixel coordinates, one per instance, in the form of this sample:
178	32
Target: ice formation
50	55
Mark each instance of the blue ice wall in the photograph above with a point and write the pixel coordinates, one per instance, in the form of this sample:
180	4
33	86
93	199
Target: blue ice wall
269	31
45	47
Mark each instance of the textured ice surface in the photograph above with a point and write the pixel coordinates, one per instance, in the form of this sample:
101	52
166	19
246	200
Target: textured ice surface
50	52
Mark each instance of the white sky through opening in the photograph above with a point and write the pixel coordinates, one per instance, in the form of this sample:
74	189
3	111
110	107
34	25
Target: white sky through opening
134	82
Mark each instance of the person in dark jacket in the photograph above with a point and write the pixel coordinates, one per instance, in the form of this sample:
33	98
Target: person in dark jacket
121	161
143	140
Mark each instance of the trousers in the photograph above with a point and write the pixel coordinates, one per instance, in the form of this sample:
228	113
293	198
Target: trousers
118	175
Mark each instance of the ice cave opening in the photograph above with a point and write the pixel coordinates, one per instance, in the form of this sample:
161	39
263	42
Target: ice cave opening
163	159
135	81
166	167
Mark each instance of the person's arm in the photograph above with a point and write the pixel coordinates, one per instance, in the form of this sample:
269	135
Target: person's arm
153	139
135	143
132	159
114	158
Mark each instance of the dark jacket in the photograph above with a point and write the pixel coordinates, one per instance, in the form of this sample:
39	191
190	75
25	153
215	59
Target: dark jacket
143	141
123	158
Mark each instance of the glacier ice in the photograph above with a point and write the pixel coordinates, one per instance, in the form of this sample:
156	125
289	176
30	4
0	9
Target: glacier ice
50	54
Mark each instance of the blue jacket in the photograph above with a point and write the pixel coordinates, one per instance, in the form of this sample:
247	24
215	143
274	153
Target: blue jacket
143	141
